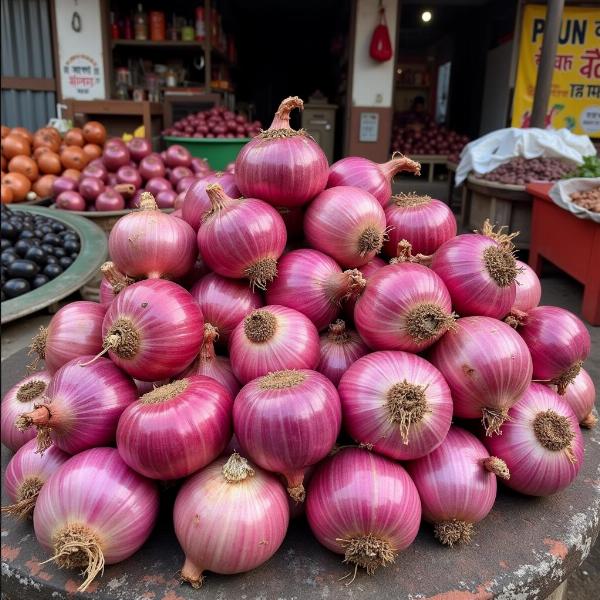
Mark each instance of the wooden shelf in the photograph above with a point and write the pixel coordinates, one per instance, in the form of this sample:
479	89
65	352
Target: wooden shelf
158	44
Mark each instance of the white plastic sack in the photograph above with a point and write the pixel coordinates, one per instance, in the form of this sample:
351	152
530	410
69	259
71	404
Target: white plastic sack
498	147
561	192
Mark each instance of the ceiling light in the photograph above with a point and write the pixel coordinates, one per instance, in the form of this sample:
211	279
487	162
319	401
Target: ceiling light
426	16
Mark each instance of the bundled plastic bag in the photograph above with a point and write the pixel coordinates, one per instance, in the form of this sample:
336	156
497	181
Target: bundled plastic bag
561	192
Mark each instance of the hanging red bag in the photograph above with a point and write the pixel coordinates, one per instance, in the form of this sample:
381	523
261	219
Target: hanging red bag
381	44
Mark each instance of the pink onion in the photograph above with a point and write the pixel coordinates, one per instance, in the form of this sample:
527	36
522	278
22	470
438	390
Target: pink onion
177	156
94	511
152	166
487	367
229	505
21	397
166	198
339	347
184	183
82	407
273	338
241	238
139	148
150	243
76	329
178	203
97	170
112	180
404	307
90	187
369	176
157	185
367	270
26	473
457	485
425	223
63	184
581	397
224	302
70	201
179	173
109	199
287	421
363	506
346	223
528	290
200	166
479	271
397	403
115	156
131	175
313	284
541	443
282	166
113	281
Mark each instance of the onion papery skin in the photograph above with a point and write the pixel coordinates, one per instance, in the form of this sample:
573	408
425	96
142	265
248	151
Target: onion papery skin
357	493
281	166
340	347
225	302
84	405
534	469
388	314
294	344
98	491
176	429
453	483
287	421
423	221
372	391
529	288
167	322
113	281
581	397
213	517
148	243
313	284
347	224
217	368
460	262
486	366
19	399
559	343
367	270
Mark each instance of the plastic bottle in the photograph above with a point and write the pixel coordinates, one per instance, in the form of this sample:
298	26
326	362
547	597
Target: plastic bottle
140	24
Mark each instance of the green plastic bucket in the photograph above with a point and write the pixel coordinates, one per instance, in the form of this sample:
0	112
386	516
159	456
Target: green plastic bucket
219	152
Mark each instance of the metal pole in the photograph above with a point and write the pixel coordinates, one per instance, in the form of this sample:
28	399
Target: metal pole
543	85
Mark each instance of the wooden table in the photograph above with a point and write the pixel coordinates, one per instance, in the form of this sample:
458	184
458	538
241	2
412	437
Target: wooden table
431	161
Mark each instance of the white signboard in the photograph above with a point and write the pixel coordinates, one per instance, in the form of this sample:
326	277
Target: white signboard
369	127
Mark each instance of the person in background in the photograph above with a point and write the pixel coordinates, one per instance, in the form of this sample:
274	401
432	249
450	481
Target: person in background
416	116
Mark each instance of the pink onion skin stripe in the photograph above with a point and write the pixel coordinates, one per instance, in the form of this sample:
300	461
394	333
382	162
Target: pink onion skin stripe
224	302
363	393
391	293
485	364
107	294
96	488
452	481
176	437
356	492
219	369
335	220
12	407
535	470
213	517
367	270
459	262
336	357
27	463
529	288
170	326
581	395
286	430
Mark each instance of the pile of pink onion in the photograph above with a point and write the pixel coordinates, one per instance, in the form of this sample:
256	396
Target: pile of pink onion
336	376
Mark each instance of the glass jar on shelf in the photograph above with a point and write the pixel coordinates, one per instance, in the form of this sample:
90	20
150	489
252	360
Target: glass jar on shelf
153	87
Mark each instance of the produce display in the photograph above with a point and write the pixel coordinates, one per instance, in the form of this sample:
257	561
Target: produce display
430	138
589	199
520	171
372	385
35	250
589	168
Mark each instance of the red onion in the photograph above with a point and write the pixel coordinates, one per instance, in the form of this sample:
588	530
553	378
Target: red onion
197	203
113	281
184	183
339	348
367	270
115	156
487	367
559	343
82	406
135	200
404	307
313	284
425	223
70	201
179	173
153	329
369	176
109	199
229	518
152	166
63	184
457	485
541	443
479	271
150	243
287	421
282	166
224	302
130	175
114	141
26	473
157	185
397	403
528	290
363	506
178	203
21	397
94	511
166	198
581	397
112	180
346	223
139	148
200	166
241	238
97	170
177	156
76	329
163	155
273	338
90	187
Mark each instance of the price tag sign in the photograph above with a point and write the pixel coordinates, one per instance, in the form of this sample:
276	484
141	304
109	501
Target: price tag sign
369	127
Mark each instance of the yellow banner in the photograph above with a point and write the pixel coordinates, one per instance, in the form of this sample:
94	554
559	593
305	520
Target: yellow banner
575	98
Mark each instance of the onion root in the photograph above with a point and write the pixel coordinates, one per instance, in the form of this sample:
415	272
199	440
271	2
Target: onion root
453	532
26	498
